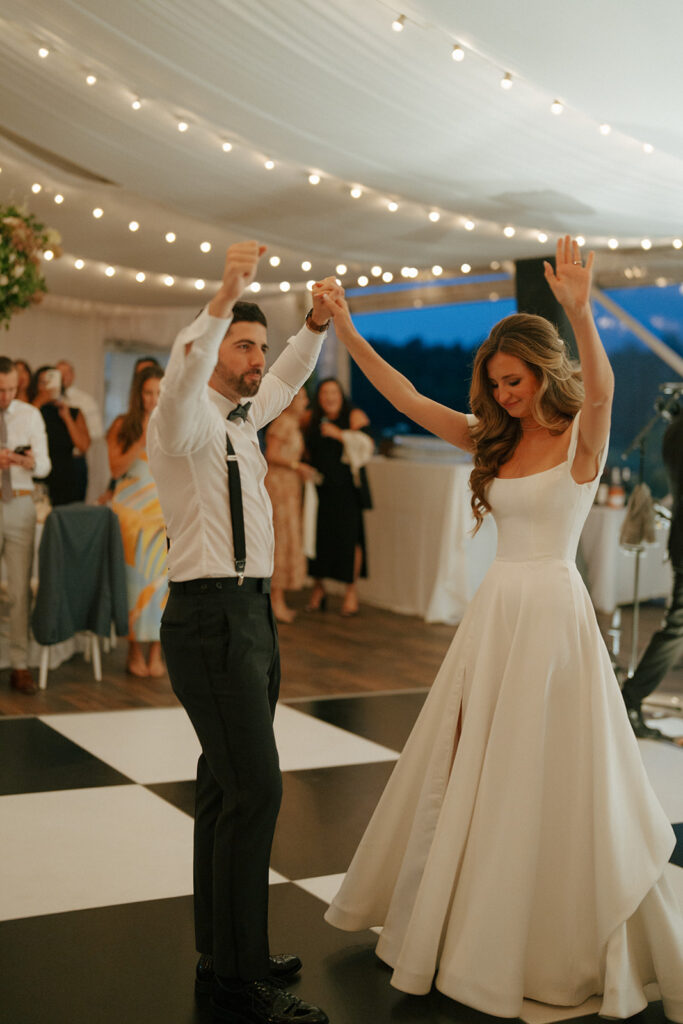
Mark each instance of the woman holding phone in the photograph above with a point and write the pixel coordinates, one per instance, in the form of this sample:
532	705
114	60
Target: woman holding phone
66	431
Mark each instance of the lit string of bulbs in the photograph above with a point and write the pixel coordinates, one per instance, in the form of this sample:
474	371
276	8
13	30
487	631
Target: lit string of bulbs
356	191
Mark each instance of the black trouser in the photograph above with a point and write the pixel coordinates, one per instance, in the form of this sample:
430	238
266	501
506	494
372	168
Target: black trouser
663	651
221	649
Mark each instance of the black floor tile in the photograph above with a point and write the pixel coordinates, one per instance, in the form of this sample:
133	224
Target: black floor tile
323	816
386	719
35	758
180	794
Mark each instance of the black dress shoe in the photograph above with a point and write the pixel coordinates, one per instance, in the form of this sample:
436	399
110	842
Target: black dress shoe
263	1002
640	727
283	967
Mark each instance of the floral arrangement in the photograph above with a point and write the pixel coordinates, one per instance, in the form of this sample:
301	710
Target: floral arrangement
23	239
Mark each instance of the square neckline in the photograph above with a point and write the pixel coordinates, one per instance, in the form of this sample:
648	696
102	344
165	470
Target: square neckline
571	451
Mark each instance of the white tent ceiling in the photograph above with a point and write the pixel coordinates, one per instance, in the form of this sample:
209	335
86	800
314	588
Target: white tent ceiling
327	87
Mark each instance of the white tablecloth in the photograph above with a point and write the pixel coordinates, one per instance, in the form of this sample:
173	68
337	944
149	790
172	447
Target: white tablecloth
423	561
610	569
421	557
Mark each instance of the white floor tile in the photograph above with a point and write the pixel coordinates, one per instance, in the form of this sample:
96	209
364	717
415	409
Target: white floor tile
325	887
664	766
147	745
671	725
305	742
79	848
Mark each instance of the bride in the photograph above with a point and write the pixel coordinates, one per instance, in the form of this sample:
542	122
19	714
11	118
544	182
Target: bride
518	850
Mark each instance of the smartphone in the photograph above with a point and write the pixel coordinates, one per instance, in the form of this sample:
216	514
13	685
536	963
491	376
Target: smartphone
22	449
53	382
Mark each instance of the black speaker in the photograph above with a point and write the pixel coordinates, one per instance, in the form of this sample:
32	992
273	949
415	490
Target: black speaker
533	295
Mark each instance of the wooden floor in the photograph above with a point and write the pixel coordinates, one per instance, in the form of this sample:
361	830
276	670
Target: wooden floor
323	654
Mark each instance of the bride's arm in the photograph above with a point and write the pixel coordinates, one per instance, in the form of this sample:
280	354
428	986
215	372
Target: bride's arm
571	285
439	419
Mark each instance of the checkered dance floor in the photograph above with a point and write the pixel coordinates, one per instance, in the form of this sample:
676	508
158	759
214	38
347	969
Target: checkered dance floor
96	848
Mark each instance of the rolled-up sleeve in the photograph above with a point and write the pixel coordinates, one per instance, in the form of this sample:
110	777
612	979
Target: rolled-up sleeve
183	414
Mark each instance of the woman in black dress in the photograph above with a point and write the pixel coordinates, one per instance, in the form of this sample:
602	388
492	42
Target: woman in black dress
340	542
66	431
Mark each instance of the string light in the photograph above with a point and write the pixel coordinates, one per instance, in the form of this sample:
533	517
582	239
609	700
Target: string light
387	276
269	164
91	79
458	54
97	212
285	286
170	237
133	226
376	271
205	247
398	23
169	281
363	281
43	52
274	261
509	231
542	237
314	179
646	244
182	126
140	276
506	81
254	287
437	271
465	268
199	284
612	243
469	225
356	192
36	188
605	129
48	255
136	103
309	285
434	216
648	147
557	107
392	206
59	199
79	264
580	240
306	266
341	269
227	147
677	243
110	271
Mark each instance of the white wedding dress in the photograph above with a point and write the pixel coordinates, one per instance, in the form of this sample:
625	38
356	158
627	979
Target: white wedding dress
523	859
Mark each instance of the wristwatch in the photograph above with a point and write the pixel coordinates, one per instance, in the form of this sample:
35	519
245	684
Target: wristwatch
313	326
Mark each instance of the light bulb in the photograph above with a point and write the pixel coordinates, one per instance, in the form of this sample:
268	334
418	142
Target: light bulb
110	271
341	268
227	147
48	255
437	271
274	261
36	188
387	276
363	281
183	126
398	23
469	225
254	286
376	271
605	129
434	216
140	276
314	179
506	81
43	52
356	192
170	236
648	147
269	164
91	79
136	104
458	53
199	284
509	231
169	281
97	212
205	246
285	286
542	237
465	268
580	240
646	244
405	271
309	285
677	243
79	264
306	265
392	206
59	199
133	226
613	243
557	107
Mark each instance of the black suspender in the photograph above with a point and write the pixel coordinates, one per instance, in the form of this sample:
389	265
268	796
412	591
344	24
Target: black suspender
236	510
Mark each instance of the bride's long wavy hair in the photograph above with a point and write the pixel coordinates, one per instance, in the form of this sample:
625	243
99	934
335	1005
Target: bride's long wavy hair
496	434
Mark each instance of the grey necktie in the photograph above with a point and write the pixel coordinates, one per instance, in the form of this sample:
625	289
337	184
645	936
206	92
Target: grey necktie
240	412
6	478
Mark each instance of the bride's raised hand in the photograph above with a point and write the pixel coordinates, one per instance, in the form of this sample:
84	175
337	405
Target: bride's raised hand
570	282
338	309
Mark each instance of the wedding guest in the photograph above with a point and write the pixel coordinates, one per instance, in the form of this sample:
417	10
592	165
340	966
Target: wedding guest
80	399
285	478
23	454
334	427
519	850
66	432
136	503
24	374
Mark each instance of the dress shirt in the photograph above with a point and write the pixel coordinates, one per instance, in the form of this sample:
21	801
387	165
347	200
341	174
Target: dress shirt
78	399
25	425
187	454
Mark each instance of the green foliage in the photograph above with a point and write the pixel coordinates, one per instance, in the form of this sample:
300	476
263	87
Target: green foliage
23	239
